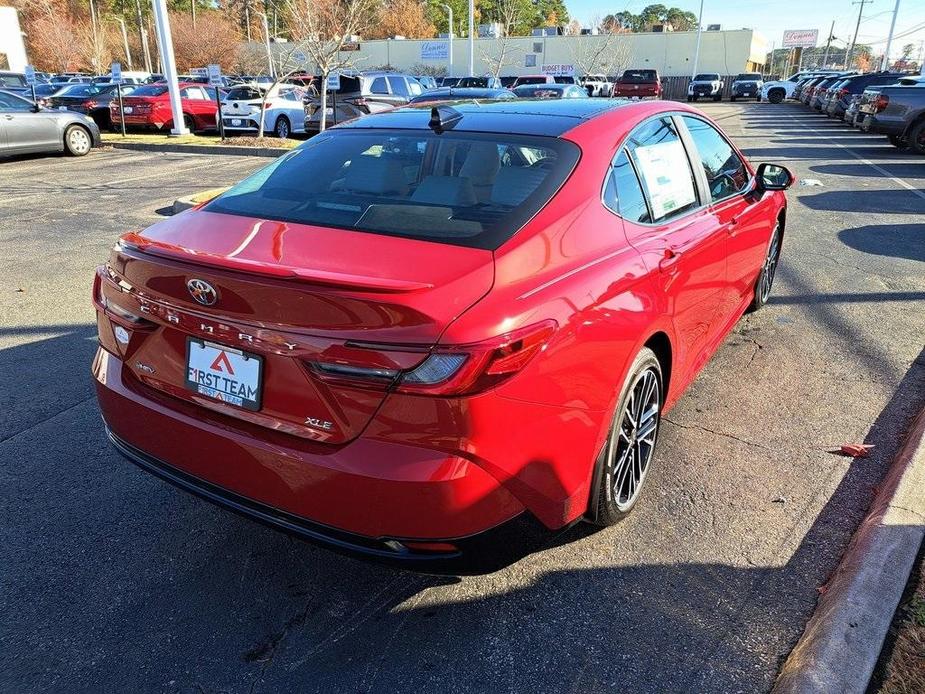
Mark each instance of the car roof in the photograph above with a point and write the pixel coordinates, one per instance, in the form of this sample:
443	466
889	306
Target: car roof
551	117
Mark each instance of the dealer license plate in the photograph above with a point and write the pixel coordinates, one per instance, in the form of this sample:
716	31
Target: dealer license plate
224	373
236	121
126	109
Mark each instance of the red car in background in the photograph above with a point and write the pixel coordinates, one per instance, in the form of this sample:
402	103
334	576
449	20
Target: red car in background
149	106
429	329
642	84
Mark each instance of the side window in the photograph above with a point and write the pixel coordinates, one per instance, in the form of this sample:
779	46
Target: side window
623	194
9	103
415	87
379	86
664	168
398	85
726	172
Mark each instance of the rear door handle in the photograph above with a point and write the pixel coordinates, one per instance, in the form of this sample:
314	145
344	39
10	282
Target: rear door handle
669	260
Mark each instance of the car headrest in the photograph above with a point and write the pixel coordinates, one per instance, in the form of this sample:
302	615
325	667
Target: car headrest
449	191
481	164
376	175
514	184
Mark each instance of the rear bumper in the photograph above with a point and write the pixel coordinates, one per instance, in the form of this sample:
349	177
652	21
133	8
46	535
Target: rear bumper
357	497
877	123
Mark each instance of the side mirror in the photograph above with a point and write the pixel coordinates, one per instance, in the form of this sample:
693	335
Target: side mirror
773	177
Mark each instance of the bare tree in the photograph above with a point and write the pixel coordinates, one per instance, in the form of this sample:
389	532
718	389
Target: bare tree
606	53
320	28
506	50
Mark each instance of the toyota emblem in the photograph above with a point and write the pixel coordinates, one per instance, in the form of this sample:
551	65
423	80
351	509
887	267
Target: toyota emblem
202	292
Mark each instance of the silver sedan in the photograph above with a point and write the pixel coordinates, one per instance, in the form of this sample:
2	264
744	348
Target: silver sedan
27	129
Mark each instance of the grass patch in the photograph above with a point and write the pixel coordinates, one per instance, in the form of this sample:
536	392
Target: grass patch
903	671
199	140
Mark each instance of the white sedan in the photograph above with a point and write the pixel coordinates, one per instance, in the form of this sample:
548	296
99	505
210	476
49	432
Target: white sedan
282	105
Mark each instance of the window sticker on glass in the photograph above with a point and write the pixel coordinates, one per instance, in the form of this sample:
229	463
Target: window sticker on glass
666	173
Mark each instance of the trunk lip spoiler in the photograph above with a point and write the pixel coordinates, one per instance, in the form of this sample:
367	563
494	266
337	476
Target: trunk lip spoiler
136	243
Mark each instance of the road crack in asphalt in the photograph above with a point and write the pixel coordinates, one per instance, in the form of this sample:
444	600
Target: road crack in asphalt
265	651
717	433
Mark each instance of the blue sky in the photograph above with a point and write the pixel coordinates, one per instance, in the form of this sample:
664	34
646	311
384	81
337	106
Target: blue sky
772	17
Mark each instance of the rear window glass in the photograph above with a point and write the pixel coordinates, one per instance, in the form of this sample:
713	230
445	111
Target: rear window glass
466	189
150	90
639	76
244	94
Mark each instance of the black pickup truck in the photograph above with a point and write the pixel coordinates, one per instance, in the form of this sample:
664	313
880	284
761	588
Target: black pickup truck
897	111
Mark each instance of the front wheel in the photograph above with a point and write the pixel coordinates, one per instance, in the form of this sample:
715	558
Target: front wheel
77	141
718	97
627	455
897	141
732	98
775	96
766	276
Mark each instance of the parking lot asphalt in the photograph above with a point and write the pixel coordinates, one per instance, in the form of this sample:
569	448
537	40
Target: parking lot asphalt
111	580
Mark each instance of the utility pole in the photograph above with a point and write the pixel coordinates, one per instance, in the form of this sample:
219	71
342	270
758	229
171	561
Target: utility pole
192	7
471	38
266	37
699	33
828	42
449	10
856	28
162	23
885	62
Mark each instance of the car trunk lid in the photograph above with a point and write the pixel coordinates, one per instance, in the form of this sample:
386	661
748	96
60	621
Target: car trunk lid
298	298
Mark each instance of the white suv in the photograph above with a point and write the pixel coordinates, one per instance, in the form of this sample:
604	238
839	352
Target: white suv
707	85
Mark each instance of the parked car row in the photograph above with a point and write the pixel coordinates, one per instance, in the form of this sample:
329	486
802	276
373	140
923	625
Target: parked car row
887	103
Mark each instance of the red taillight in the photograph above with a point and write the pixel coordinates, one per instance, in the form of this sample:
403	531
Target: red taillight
842	93
451	370
474	368
881	102
91	104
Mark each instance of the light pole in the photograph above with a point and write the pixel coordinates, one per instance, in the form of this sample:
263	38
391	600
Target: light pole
266	38
449	41
471	38
699	32
128	54
856	28
889	40
162	24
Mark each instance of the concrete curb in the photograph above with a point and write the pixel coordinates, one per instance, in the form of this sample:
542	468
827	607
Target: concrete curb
201	149
843	639
189	201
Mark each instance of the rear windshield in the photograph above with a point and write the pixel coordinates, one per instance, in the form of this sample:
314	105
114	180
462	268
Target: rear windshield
150	90
639	76
245	93
531	80
473	82
465	189
12	81
80	90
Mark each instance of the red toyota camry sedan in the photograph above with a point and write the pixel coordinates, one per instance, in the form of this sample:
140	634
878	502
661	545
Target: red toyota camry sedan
426	331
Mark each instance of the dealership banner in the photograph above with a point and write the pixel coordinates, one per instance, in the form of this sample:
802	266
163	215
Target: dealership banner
800	38
559	70
434	50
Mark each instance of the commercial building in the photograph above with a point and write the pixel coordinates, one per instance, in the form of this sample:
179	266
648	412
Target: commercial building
671	53
12	48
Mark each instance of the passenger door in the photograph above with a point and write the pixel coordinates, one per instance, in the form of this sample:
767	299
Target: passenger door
653	188
26	130
739	214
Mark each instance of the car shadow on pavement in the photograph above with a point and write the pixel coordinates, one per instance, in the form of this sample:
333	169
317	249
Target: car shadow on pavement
894	201
897	169
894	240
115	581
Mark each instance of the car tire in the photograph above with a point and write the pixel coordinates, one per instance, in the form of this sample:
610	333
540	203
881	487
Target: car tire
623	465
689	99
77	140
189	123
916	137
718	97
765	279
898	142
694	98
282	129
775	96
732	98
758	99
